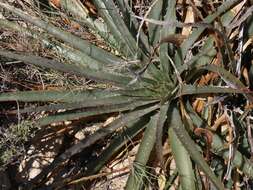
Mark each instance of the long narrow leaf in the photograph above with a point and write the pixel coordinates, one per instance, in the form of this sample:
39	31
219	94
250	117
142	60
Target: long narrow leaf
108	11
193	89
100	134
56	96
166	48
92	111
145	148
95	165
76	42
82	103
204	57
209	19
132	130
133	24
155	13
189	145
75	56
123	29
226	75
159	132
230	79
77	9
80	71
103	12
183	161
220	147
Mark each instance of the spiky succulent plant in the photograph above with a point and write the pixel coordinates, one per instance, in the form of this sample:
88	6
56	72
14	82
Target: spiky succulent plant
153	77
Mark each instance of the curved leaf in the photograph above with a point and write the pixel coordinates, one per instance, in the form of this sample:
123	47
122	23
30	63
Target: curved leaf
89	140
77	57
92	111
219	147
145	148
133	24
82	103
209	19
183	162
189	144
159	132
118	27
92	74
155	13
230	79
132	130
193	89
167	48
93	167
76	42
56	96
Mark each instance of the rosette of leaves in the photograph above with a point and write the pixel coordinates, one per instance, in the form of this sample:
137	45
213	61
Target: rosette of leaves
154	78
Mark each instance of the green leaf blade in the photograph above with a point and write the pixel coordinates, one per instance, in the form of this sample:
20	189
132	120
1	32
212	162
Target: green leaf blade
189	144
